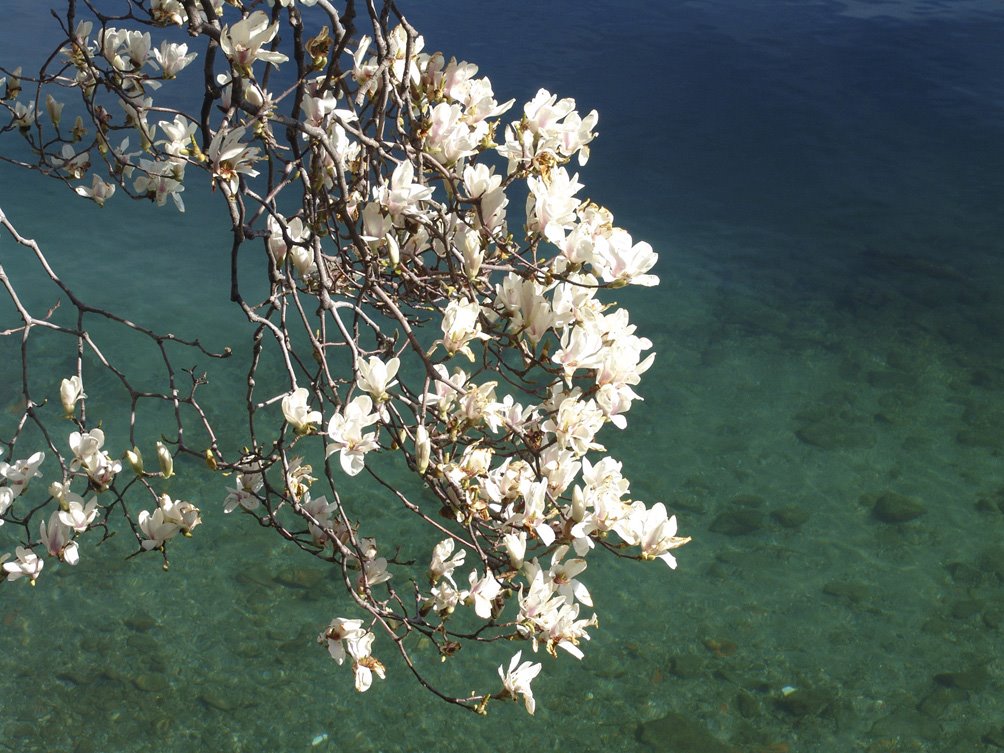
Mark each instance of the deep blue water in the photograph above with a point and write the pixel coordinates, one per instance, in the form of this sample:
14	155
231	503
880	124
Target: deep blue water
824	183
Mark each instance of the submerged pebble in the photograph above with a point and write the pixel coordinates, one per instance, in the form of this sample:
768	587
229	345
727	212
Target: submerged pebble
897	508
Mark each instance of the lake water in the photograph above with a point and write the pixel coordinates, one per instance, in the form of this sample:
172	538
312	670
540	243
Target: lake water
824	182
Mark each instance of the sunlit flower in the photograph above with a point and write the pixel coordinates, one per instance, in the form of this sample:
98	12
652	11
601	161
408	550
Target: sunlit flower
345	430
298	413
28	565
242	41
517	678
70	391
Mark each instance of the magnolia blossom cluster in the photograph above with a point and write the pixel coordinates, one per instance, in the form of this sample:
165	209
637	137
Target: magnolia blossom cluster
92	471
474	340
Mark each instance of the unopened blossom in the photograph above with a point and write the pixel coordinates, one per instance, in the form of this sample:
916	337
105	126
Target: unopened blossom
7	498
423	448
242	42
27	565
298	413
57	538
71	390
515	546
165	459
135	460
517	678
54	108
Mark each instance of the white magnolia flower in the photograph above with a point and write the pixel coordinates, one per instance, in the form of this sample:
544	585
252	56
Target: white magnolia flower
28	565
242	41
229	157
99	191
58	539
364	664
461	325
445	561
517	678
78	515
172	57
298	413
345	430
70	391
21	472
482	593
165	459
338	632
376	377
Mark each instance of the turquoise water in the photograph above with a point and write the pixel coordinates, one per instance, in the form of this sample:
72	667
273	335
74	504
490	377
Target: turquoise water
824	182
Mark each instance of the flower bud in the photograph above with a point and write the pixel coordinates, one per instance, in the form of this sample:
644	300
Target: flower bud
423	448
135	460
70	391
54	108
515	544
165	460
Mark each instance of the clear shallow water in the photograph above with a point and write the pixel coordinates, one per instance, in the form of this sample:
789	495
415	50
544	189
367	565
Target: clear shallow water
824	183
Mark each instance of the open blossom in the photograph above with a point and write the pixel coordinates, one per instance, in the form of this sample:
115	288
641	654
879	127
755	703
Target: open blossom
77	514
27	565
517	678
21	472
242	41
172	57
97	463
445	561
229	157
169	519
655	533
482	593
364	664
345	430
298	413
338	632
244	493
99	191
460	326
376	377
